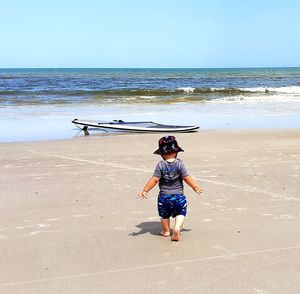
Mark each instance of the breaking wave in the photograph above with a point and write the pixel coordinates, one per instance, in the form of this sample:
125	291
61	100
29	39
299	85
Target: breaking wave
177	95
156	92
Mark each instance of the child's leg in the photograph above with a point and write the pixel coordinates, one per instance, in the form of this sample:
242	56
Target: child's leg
179	220
165	224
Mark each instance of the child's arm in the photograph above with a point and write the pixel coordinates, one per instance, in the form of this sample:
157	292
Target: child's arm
192	183
150	184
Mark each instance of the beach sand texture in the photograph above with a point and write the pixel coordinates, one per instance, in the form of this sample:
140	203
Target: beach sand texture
71	223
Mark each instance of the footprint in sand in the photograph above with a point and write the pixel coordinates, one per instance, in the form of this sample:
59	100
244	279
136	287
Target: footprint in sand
120	228
207	220
53	219
261	291
280	217
286	216
241	208
80	215
31	226
42	232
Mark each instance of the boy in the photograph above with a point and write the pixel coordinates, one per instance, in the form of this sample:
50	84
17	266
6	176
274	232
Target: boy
170	174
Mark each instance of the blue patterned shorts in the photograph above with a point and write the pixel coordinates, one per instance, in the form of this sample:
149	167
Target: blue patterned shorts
171	205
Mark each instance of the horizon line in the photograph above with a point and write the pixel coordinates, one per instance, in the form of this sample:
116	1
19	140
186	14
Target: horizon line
242	67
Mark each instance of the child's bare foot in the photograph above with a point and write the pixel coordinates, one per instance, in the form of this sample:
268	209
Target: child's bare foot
176	235
165	233
165	225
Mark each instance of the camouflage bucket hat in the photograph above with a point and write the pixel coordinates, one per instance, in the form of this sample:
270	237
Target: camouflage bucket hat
167	145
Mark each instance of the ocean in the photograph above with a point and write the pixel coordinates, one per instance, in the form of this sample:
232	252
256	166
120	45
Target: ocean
38	104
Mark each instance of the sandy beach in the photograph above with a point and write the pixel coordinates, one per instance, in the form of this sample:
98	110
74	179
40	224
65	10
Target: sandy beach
71	222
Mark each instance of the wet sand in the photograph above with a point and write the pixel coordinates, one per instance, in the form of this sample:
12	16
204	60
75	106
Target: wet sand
70	221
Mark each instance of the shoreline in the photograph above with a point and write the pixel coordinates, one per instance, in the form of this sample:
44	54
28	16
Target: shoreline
95	135
53	126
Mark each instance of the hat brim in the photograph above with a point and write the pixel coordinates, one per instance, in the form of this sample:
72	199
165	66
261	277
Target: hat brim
158	152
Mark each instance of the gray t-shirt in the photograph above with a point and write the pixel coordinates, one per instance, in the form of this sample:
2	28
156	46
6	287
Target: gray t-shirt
170	176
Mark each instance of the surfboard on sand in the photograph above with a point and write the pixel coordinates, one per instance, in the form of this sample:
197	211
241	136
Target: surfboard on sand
141	126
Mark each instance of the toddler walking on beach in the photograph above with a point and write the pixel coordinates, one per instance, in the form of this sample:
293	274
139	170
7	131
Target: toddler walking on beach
170	174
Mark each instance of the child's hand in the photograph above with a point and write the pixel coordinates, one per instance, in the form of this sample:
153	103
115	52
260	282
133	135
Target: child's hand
198	189
142	195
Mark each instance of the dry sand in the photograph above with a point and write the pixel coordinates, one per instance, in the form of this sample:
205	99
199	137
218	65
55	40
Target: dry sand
70	221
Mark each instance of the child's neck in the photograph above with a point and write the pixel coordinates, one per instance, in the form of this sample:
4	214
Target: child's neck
170	157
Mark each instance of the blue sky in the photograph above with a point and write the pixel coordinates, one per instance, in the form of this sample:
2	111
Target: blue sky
165	33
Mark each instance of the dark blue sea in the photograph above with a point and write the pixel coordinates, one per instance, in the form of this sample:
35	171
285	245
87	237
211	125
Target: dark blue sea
38	104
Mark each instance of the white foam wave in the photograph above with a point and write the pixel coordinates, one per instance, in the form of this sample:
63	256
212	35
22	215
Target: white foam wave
147	97
241	99
187	89
282	90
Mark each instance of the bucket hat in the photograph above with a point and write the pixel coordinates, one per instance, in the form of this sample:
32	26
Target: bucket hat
167	145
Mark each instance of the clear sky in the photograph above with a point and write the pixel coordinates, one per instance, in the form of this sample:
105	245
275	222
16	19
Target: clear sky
149	33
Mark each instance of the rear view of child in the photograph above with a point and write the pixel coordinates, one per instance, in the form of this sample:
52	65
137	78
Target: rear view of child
170	174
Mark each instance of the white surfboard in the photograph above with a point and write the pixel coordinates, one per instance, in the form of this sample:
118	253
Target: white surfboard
143	126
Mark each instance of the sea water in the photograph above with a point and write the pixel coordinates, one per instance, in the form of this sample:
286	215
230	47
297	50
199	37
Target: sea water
39	104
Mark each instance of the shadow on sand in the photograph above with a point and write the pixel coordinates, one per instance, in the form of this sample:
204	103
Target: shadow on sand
152	228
